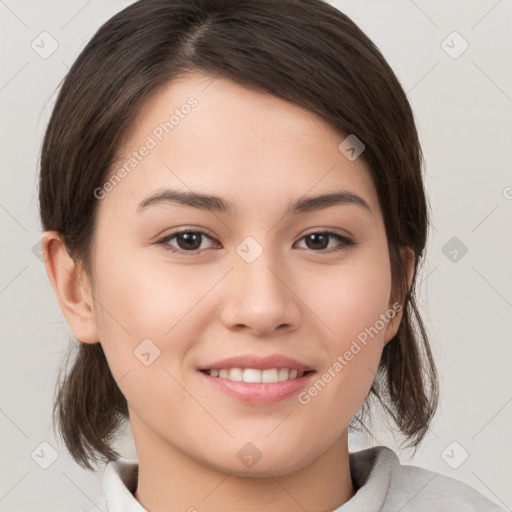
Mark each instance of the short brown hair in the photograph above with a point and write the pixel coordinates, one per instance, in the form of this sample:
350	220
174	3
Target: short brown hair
303	51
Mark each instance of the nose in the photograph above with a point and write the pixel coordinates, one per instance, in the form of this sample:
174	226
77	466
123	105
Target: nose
260	297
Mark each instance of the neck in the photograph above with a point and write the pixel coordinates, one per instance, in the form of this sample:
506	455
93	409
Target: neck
170	480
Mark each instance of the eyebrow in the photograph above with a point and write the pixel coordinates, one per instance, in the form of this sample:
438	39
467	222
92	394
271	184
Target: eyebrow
217	204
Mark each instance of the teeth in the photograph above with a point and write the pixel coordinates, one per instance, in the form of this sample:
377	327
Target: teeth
236	374
270	375
250	375
254	375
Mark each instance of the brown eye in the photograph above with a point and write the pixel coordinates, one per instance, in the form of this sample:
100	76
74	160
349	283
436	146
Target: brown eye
191	241
319	241
186	241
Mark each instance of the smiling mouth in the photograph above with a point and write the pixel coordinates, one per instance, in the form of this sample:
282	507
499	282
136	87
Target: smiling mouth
255	375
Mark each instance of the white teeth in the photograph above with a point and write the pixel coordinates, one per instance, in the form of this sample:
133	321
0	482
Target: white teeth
270	375
236	374
283	374
254	375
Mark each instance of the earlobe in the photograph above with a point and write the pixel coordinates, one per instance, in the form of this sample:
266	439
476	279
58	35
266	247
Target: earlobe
71	287
396	310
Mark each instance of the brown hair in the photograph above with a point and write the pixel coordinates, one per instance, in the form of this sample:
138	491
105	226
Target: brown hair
303	51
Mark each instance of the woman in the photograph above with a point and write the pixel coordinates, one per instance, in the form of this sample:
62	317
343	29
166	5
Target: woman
234	215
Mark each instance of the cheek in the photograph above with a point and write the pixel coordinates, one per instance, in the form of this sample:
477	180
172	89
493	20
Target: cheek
349	298
145	298
353	308
148	307
141	328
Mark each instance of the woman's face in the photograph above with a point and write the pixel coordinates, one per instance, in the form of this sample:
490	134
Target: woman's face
264	289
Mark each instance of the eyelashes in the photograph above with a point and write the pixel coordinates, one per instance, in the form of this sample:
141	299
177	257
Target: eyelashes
198	233
194	237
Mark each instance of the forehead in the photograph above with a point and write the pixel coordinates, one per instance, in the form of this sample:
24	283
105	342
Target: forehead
213	135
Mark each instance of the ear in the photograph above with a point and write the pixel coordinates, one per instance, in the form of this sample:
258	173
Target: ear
71	287
395	309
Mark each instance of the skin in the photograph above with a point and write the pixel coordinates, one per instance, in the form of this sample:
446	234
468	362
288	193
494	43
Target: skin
296	299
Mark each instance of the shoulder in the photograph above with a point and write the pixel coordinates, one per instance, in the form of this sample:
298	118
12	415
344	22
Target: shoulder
412	488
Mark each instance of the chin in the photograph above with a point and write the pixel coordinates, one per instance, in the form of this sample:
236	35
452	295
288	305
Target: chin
261	469
249	461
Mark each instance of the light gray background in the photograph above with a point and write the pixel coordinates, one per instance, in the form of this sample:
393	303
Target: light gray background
463	108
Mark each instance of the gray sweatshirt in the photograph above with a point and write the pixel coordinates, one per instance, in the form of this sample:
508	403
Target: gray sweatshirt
381	482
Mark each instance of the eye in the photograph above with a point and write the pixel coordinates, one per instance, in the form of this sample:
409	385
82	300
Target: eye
319	241
190	241
187	241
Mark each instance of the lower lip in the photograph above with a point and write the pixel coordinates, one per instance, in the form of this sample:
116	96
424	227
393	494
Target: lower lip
260	392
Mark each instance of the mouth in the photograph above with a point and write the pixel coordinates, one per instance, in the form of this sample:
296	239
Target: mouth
258	380
257	375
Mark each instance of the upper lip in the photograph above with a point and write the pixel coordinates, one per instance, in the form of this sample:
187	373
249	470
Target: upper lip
258	362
